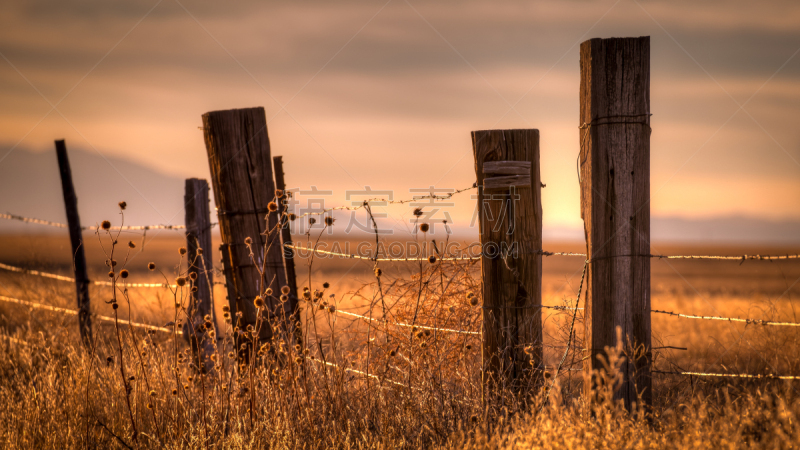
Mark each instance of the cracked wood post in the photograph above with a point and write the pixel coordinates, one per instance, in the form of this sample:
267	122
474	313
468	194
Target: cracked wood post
615	190
241	176
76	239
286	238
510	215
198	244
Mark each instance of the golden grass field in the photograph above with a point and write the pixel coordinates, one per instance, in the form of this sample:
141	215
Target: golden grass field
420	393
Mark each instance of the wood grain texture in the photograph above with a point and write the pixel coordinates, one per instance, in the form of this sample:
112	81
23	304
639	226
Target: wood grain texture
615	189
512	291
76	239
241	175
198	236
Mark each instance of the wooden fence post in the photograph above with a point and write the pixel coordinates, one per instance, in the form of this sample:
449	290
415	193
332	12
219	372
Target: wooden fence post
198	244
76	239
510	214
241	175
286	238
615	191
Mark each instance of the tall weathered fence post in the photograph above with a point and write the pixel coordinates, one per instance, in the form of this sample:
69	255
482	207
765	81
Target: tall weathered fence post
241	175
286	237
615	191
76	239
510	214
198	244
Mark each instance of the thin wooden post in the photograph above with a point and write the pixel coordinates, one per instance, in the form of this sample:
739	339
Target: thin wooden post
510	214
241	175
615	191
198	241
286	238
76	239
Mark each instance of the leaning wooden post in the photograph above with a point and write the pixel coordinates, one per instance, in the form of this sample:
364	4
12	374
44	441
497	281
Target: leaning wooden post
198	242
510	214
615	191
241	175
76	239
286	238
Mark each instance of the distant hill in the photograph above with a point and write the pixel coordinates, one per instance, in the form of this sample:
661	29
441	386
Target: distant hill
30	186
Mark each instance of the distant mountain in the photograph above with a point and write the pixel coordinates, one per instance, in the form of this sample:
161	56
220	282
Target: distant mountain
30	186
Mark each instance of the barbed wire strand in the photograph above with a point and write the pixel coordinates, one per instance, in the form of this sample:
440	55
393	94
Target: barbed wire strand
401	324
10	216
729	319
75	313
731	375
545	253
70	279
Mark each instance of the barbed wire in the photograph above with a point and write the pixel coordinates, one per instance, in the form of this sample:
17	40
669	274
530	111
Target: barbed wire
70	279
730	375
728	319
401	324
10	216
540	252
366	202
74	312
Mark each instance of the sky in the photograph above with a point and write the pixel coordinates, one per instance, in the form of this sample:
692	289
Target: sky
385	93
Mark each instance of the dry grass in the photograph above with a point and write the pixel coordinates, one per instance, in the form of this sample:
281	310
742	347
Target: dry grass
408	387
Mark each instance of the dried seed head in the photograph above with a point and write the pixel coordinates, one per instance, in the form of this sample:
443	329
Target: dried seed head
278	193
182	251
193	275
329	221
106	225
392	353
180	281
424	227
427	332
226	308
326	285
547	375
452	309
123	205
272	206
317	294
332	309
174	392
307	295
231	355
285	290
284	298
473	301
312	221
292	216
152	393
298	359
468	346
474	418
194	288
248	240
111	274
268	292
123	273
378	272
131	244
418	211
432	259
528	350
151	266
298	348
199	251
149	406
259	302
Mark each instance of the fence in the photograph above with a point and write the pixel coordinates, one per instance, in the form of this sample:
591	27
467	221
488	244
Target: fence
614	176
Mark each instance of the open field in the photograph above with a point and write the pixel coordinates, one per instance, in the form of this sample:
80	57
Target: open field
55	396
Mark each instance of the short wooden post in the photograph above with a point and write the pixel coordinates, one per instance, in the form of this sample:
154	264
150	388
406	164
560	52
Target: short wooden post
241	175
76	239
510	214
615	191
198	244
286	237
